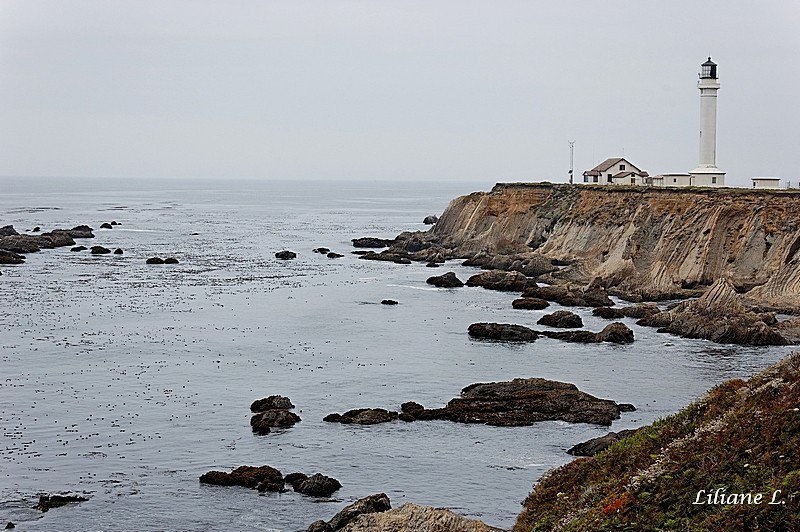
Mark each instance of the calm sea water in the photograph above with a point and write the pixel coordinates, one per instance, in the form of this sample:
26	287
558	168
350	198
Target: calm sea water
126	381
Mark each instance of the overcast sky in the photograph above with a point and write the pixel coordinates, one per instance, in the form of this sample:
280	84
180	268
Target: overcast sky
451	89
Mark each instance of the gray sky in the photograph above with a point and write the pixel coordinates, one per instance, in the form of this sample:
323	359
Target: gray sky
450	89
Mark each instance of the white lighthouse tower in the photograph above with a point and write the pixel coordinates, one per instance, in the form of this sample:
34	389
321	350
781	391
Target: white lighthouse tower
707	174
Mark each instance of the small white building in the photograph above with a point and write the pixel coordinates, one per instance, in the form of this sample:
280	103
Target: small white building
671	180
615	171
766	182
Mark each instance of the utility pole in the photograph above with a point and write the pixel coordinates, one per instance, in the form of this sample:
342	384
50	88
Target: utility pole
571	166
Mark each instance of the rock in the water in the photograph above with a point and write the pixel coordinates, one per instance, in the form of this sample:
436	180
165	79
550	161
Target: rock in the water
719	316
106	226
272	412
371	242
294	479
578	337
285	255
608	313
263	478
114	222
501	280
322	251
46	502
368	505
523	402
505	332
9	257
155	260
118	251
399	257
638	311
571	296
318	485
273	401
616	333
8	230
413	518
332	255
430	220
389	302
263	422
561	318
600	444
364	416
81	231
79	248
446	280
529	303
432	265
170	260
100	250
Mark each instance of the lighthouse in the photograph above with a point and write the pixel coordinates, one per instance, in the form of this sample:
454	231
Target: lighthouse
707	174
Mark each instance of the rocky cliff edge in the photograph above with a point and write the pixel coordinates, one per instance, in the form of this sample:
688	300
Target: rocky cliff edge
640	242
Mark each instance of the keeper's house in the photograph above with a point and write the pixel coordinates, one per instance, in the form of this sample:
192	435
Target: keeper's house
616	171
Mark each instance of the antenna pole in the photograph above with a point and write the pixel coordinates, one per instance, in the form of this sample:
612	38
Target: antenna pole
571	151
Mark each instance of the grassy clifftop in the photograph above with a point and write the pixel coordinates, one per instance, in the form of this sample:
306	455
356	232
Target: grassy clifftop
739	441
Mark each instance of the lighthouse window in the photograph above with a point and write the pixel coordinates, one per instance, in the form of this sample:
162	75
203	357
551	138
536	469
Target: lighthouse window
622	167
713	180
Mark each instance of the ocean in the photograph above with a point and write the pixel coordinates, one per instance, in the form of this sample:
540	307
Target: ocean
125	382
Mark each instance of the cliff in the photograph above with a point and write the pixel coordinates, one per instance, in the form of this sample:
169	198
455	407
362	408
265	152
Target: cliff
641	242
729	461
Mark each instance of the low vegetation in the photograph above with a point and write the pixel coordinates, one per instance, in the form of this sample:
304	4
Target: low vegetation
742	437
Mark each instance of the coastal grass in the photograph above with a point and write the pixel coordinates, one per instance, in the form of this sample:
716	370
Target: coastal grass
742	436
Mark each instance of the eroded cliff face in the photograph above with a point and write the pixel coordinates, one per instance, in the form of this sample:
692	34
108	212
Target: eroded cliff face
648	243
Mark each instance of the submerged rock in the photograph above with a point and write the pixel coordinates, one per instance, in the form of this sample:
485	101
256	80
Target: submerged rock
155	260
332	255
100	250
170	260
47	502
118	251
389	302
106	226
430	220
